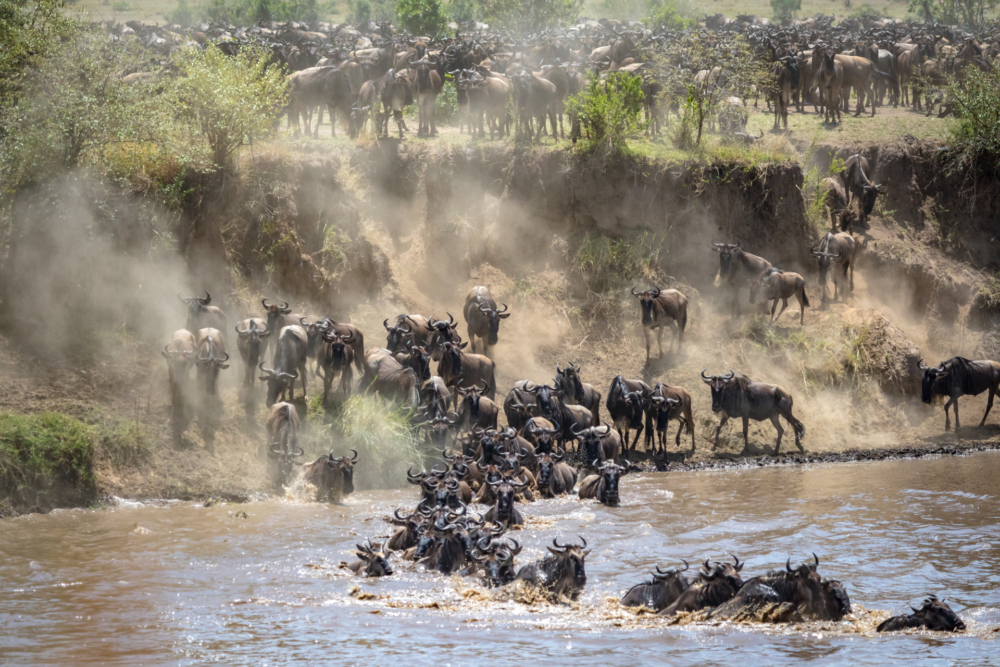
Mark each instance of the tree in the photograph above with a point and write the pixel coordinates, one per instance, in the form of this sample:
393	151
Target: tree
971	14
530	15
29	31
421	17
975	98
610	111
232	100
706	72
784	9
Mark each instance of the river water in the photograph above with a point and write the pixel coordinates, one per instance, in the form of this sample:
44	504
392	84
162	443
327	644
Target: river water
179	583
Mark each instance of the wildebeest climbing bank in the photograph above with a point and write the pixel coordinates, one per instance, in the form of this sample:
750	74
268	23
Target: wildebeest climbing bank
527	335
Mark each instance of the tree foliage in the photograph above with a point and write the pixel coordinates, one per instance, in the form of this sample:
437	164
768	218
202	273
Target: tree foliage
248	12
976	102
609	111
421	17
668	13
971	14
29	31
530	15
784	9
232	100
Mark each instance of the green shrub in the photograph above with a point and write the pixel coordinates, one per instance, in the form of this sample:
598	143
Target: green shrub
668	13
446	104
386	442
530	15
46	460
421	17
610	264
231	100
463	11
121	6
610	111
976	103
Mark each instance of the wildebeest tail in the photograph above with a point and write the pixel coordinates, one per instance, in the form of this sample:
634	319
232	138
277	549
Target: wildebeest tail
885	75
805	297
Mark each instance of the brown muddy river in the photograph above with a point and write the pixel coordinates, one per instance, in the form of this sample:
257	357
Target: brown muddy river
188	585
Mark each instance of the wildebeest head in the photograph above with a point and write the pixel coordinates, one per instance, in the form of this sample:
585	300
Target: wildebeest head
493	318
824	258
504	491
726	252
339	346
646	302
634	402
546	465
568	380
209	364
663	405
345	467
420	360
936	381
792	64
274	312
571	561
376	562
496	560
284	460
727	574
278	382
471	396
399	334
933	615
718	384
254	338
543	435
591	439
490	443
438	430
663	588
196	304
610	473
547	399
442	333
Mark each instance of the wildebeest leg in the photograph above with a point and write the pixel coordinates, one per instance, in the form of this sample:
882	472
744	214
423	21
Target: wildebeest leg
784	304
638	432
346	378
774	307
645	334
746	433
722	422
851	266
777	426
947	419
659	340
333	120
989	406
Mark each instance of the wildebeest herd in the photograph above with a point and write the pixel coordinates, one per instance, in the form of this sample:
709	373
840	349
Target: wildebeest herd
504	468
501	77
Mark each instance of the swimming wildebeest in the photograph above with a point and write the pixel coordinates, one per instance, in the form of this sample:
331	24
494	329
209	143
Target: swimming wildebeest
496	560
660	591
715	584
660	309
604	485
283	440
736	395
332	476
792	595
960	377
933	615
373	561
563	574
555	478
782	285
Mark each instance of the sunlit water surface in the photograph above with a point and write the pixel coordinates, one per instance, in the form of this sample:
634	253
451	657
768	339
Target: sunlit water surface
185	584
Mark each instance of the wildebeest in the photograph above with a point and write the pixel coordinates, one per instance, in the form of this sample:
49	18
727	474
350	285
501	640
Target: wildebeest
202	315
179	353
835	200
660	591
372	561
252	343
567	417
409	329
482	317
210	358
434	397
279	317
283	440
457	367
519	406
407	534
332	476
504	511
786	79
555	478
736	266
660	309
577	392
933	615
496	560
604	485
782	285
337	357
599	443
837	249
736	395
627	401
856	182
396	94
563	574
792	595
427	85
666	403
829	76
441	332
387	377
960	377
289	364
317	86
417	358
328	327
716	583
475	410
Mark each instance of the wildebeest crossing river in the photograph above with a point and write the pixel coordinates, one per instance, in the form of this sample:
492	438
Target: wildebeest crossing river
187	584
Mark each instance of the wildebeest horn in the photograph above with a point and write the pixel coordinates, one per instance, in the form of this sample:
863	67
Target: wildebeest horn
208	298
718	245
355	455
788	564
385	323
815	558
584	545
730	376
921	365
504	309
656	291
633	292
607	429
706	378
